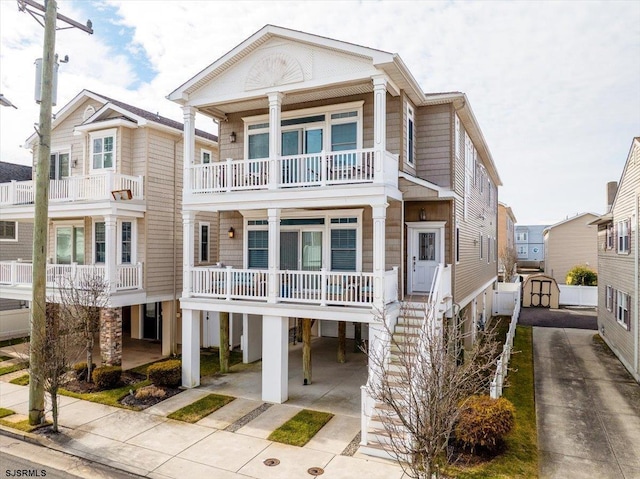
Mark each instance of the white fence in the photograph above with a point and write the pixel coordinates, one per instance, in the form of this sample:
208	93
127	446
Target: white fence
502	366
505	298
578	295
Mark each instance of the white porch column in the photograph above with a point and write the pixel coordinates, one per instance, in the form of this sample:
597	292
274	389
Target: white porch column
275	359
190	348
379	125
379	258
111	251
251	339
274	252
275	113
189	119
188	247
378	342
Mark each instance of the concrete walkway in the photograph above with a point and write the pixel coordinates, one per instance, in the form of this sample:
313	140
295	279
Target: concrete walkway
587	408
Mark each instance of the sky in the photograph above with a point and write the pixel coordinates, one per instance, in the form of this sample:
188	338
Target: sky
555	86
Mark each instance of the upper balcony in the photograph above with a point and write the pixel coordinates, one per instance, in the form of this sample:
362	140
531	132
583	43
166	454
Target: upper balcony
77	195
305	173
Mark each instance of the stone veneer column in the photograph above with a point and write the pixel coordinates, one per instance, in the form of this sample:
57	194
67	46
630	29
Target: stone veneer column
111	336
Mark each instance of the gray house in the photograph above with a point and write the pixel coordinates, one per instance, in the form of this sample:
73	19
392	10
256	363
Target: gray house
530	245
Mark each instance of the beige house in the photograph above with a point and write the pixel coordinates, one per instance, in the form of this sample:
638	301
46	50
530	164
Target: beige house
342	188
506	234
570	243
618	265
114	211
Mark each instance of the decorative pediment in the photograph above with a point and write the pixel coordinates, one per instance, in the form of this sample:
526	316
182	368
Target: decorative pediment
273	70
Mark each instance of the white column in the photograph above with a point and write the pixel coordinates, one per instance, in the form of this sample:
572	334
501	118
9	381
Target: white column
252	339
379	259
111	251
275	359
379	125
274	252
378	341
190	348
188	247
189	146
275	113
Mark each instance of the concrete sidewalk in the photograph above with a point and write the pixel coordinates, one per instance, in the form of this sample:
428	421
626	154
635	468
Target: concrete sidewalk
149	444
587	408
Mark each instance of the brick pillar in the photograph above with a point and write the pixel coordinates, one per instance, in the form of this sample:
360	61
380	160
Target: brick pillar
111	336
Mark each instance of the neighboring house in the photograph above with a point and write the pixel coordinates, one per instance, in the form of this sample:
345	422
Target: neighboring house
342	190
114	211
506	233
530	246
570	243
618	264
16	239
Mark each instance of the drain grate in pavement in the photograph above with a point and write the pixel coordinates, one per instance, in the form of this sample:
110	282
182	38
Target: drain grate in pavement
352	447
244	420
272	461
315	471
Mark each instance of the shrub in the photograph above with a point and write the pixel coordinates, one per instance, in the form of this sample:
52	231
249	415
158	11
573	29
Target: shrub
81	370
107	377
150	392
484	422
166	373
582	275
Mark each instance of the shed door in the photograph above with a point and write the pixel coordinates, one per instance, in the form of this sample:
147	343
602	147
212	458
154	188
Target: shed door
540	293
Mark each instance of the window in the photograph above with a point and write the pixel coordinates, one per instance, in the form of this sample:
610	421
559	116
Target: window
523	251
481	246
609	244
624	236
343	250
258	249
205	157
623	308
59	166
410	135
69	244
457	245
469	161
100	242
488	249
609	298
8	231
103	150
521	236
458	140
204	242
126	242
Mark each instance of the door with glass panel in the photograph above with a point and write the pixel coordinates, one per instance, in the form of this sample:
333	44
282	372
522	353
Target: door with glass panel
59	166
69	244
296	168
424	257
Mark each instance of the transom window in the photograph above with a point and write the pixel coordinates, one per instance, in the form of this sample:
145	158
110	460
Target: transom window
103	149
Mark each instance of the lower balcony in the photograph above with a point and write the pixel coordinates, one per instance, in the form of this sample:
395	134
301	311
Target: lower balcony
319	288
20	274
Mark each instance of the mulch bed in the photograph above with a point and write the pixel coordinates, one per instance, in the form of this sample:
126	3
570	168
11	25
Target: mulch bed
83	387
143	403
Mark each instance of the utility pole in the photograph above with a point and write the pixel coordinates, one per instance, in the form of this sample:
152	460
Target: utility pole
41	216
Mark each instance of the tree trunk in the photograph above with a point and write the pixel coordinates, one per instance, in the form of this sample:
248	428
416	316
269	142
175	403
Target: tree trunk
224	342
357	337
89	360
342	341
54	410
306	351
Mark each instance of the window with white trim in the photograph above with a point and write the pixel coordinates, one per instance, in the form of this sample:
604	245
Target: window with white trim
521	236
610	237
8	231
609	298
458	140
488	249
469	161
481	246
103	149
126	242
205	156
624	236
623	308
205	231
457	244
100	241
59	166
523	251
258	249
410	134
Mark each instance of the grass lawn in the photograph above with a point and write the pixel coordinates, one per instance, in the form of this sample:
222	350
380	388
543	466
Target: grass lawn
109	397
5	412
15	367
520	459
21	425
201	408
209	362
21	380
298	430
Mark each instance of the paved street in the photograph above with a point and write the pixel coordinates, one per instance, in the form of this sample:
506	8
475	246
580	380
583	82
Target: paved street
581	318
587	407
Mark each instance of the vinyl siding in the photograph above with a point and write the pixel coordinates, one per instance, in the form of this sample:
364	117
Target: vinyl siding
434	144
14	250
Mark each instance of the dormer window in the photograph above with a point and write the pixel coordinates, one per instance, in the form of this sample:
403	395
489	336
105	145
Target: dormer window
103	150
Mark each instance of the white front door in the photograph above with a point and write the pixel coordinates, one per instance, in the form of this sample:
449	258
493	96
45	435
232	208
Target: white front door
425	254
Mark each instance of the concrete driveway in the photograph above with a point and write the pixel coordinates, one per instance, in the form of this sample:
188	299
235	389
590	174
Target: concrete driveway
587	408
581	318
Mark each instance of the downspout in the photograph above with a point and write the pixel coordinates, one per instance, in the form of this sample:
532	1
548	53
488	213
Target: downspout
636	322
403	259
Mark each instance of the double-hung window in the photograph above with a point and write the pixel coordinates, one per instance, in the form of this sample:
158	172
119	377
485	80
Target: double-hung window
343	244
258	249
103	149
126	242
8	231
623	309
624	236
610	237
609	298
204	242
100	242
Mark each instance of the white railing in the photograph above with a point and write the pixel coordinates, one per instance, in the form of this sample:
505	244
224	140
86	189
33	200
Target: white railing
17	273
502	366
316	169
310	287
73	188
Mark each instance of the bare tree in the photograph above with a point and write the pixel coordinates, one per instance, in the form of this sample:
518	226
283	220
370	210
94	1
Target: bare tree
58	346
82	297
508	259
420	386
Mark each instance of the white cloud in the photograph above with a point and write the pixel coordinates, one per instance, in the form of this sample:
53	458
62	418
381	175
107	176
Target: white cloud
555	85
